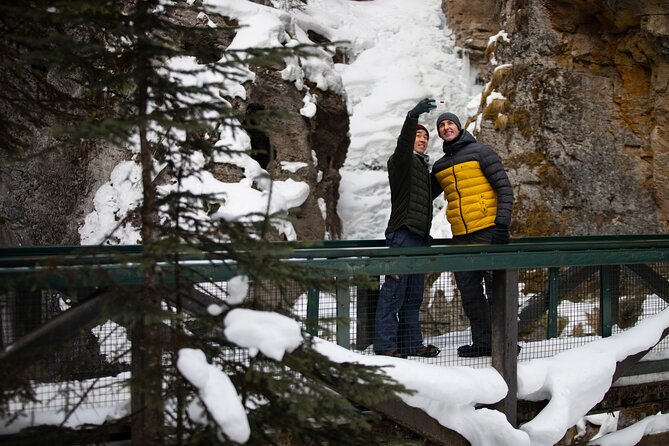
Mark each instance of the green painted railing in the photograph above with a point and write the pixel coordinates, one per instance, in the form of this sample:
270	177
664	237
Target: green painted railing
67	267
60	266
121	263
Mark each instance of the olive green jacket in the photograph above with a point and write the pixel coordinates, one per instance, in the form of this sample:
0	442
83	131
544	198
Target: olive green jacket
410	191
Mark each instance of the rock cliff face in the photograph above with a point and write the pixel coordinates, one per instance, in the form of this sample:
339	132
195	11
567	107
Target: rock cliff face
45	198
579	116
582	121
320	142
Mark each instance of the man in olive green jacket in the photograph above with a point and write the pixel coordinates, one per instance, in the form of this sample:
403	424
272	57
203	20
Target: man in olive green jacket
397	326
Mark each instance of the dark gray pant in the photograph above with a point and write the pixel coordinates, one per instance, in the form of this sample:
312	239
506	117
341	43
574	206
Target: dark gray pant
470	283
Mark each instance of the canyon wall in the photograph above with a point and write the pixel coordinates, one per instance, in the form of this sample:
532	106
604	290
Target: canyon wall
581	122
46	195
576	105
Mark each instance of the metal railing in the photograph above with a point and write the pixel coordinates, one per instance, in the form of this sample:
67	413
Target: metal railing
549	294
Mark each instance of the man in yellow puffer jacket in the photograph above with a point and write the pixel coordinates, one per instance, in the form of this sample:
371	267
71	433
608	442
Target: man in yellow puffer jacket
480	200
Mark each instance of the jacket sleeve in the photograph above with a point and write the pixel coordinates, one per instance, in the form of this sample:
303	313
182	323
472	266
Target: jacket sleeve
401	158
435	186
405	142
493	169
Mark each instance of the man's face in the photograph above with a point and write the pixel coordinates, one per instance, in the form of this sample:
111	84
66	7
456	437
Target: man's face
448	130
420	143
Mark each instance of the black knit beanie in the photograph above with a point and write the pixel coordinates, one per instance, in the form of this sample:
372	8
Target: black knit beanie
451	117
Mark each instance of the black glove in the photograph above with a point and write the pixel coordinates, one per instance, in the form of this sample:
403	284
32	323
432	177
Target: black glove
423	106
500	235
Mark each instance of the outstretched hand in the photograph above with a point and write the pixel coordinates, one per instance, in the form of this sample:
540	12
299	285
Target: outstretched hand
423	106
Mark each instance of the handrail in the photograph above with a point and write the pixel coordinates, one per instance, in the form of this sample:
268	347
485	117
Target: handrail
121	264
528	243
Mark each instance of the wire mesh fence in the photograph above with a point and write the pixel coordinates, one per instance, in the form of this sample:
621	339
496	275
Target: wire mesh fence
573	319
558	309
86	372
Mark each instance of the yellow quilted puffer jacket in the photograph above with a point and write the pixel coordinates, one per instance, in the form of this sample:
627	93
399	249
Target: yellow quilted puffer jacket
475	185
472	202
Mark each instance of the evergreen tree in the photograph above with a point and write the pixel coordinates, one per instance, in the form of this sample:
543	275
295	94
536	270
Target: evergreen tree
132	74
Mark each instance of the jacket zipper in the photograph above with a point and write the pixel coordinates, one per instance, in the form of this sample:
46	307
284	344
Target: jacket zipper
457	189
429	196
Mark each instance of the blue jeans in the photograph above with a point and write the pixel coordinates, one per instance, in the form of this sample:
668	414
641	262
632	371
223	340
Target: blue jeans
397	326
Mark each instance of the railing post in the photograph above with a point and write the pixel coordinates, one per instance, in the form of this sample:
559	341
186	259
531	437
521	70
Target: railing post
553	274
505	336
606	273
366	314
343	315
313	296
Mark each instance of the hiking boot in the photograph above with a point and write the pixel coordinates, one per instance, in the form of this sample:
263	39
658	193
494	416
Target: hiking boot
474	351
426	351
393	353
